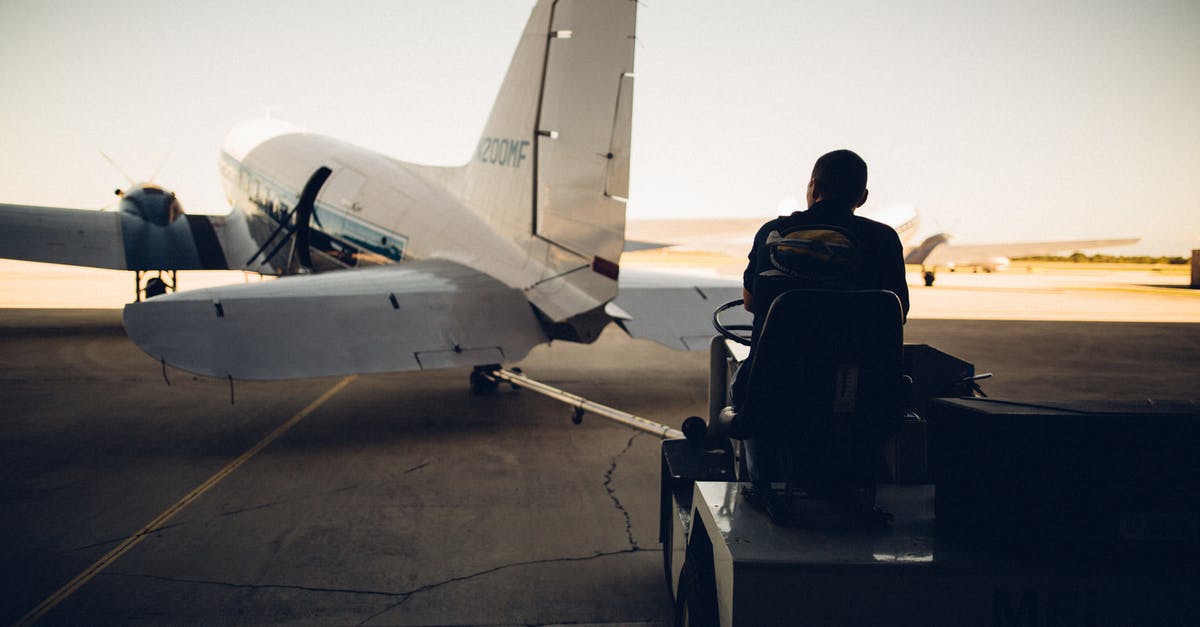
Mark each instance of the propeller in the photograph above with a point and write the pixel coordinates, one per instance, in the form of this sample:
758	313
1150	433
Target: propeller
118	168
296	223
131	182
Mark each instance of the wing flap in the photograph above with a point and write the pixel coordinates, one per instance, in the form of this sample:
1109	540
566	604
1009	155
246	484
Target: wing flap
418	315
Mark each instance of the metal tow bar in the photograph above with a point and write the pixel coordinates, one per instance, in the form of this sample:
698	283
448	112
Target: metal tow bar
582	405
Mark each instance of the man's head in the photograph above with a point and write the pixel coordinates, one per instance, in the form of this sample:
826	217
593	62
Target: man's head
839	177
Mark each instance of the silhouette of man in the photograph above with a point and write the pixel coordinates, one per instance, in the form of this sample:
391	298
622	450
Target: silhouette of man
825	247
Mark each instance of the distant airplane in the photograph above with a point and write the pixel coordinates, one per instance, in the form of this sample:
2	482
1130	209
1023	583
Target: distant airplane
405	266
936	251
734	236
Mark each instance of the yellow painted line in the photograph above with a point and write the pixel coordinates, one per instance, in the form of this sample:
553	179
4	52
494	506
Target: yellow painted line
91	571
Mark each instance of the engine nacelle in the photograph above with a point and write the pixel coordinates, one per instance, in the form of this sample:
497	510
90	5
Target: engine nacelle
151	203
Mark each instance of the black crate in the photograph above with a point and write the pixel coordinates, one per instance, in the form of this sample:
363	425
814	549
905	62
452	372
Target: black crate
1119	476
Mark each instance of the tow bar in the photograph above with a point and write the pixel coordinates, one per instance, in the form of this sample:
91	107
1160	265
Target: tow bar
582	405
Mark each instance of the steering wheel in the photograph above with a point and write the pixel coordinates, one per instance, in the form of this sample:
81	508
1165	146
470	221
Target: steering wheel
731	331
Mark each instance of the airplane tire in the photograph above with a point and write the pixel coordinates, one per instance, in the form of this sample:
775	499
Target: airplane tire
481	384
929	279
155	287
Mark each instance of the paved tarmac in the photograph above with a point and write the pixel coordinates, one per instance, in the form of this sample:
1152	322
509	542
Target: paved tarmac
402	499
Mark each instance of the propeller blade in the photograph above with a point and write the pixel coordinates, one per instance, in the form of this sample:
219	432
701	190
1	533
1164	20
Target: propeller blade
116	167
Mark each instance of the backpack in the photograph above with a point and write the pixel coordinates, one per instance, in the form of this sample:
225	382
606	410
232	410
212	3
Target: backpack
813	256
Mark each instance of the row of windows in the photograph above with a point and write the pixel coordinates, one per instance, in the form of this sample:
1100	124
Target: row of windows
277	201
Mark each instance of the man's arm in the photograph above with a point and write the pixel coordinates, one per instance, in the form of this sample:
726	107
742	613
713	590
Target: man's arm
894	279
752	266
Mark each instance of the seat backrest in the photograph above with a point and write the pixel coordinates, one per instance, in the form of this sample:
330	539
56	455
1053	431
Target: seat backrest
825	378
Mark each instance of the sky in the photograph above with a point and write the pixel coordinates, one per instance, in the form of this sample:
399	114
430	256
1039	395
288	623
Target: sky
1000	121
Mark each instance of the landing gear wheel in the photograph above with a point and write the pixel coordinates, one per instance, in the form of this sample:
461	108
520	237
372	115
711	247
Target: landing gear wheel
155	287
929	279
577	416
481	383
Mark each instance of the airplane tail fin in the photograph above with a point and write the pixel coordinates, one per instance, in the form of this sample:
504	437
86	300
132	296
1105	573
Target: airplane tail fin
920	253
552	165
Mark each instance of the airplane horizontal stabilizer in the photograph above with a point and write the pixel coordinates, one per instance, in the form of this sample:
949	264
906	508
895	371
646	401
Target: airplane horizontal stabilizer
416	315
674	308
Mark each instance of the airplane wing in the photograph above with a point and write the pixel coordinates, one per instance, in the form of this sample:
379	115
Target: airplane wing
410	316
636	245
118	240
674	308
946	253
726	236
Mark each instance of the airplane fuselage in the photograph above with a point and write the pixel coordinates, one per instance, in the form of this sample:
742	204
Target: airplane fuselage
375	210
363	214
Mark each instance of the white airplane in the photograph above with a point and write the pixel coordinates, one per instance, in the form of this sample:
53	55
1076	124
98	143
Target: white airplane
404	266
936	251
733	236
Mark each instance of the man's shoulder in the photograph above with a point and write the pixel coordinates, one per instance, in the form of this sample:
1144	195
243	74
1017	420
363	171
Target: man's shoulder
859	225
795	219
805	219
778	221
869	223
774	224
874	227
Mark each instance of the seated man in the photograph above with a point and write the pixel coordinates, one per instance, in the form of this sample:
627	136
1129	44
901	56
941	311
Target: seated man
825	247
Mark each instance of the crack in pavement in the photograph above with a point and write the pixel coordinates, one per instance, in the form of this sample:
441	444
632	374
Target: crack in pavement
234	512
417	467
612	492
116	540
252	586
489	571
302	497
585	621
403	596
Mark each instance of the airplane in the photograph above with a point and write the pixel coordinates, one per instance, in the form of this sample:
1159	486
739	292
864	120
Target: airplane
936	251
733	236
389	266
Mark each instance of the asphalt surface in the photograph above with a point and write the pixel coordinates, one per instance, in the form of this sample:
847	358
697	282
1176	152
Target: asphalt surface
402	499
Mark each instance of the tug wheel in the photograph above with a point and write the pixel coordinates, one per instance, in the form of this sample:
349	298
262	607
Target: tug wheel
696	604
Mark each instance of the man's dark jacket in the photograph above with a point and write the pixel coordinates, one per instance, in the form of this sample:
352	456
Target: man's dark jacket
879	254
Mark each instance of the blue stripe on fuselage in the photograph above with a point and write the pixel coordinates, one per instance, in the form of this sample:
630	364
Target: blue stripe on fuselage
276	200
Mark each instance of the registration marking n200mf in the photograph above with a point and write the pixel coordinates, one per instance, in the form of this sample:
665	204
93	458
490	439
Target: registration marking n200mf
502	151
